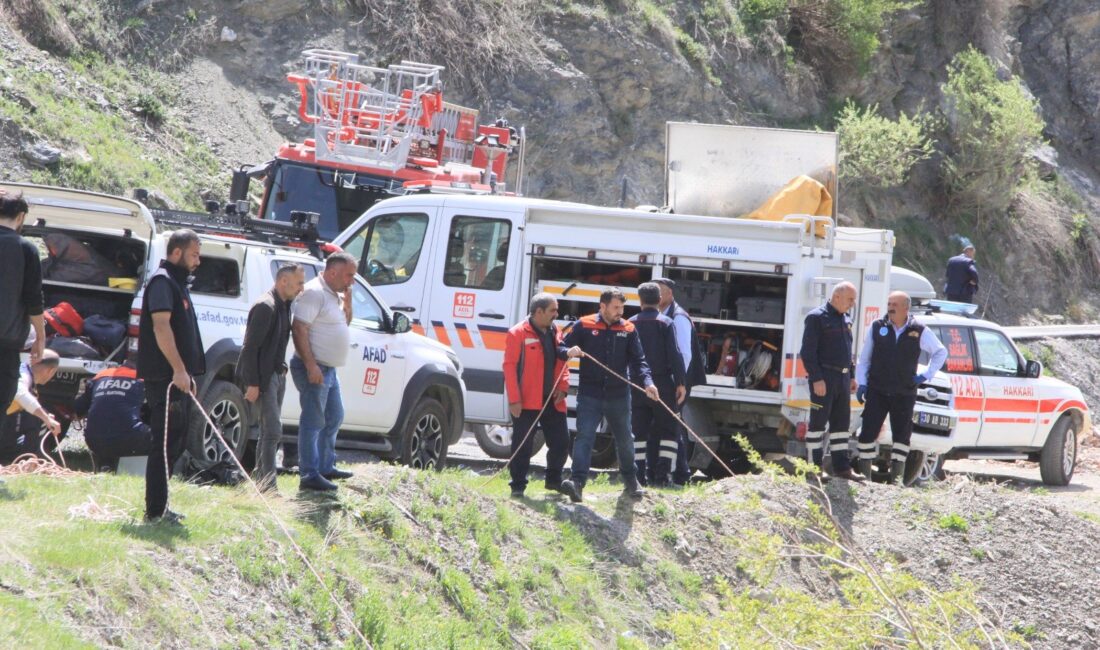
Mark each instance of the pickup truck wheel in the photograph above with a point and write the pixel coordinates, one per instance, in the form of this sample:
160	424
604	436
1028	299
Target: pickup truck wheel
496	440
226	406
603	448
424	442
1059	456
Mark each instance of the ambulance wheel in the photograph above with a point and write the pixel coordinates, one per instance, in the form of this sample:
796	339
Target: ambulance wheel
424	441
496	440
225	404
1059	456
915	469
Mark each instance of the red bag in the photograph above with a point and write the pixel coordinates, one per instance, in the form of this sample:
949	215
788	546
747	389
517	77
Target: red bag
62	319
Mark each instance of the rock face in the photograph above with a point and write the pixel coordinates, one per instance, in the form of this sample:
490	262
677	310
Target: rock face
598	82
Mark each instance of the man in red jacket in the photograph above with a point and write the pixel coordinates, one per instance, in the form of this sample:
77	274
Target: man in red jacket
534	372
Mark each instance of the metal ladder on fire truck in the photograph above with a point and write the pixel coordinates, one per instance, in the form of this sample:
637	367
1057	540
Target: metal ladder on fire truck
386	118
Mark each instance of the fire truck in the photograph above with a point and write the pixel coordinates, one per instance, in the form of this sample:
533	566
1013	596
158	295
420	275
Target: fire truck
377	132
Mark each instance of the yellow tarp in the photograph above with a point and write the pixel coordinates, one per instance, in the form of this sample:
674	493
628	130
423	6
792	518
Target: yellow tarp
801	195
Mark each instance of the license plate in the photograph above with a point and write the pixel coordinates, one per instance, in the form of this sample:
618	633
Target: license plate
932	420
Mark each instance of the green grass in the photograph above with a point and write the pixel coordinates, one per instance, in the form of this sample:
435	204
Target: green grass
135	142
954	522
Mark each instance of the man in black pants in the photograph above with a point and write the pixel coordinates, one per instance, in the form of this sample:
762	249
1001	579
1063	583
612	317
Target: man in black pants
170	353
112	401
694	363
533	374
827	354
888	379
656	431
20	296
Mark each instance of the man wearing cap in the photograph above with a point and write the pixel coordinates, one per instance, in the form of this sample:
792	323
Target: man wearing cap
962	277
683	329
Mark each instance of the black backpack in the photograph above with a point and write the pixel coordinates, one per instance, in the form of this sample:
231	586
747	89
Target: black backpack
696	371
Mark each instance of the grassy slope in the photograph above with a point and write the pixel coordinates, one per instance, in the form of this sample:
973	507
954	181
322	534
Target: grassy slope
432	561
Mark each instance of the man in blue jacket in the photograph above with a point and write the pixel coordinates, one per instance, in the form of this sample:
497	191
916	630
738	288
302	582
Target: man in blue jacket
607	338
962	277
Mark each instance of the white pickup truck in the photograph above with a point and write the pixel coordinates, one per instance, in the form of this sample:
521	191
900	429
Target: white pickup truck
404	393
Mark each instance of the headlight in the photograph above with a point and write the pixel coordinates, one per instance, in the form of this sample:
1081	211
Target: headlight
455	361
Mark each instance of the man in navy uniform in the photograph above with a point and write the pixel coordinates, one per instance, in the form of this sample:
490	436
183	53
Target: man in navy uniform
962	277
687	341
827	354
888	379
656	431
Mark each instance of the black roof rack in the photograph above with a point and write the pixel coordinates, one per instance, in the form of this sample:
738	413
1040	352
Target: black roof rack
232	220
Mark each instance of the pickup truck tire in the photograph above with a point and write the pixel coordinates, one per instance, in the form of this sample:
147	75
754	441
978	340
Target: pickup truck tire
226	405
603	448
491	439
1059	456
424	441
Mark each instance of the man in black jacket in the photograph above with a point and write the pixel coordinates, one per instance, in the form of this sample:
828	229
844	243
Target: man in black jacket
656	431
170	353
20	295
261	369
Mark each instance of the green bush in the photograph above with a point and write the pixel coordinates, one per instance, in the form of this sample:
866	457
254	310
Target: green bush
755	13
878	152
992	125
839	35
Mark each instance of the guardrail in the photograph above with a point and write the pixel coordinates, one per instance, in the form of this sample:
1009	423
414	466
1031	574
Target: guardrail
1030	333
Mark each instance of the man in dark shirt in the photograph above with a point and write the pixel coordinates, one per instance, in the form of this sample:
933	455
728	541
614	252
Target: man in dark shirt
656	430
20	295
607	338
261	369
111	401
170	354
827	354
962	277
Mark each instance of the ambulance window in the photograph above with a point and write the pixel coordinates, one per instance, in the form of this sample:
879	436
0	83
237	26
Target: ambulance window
309	269
388	248
960	350
217	276
364	308
997	354
477	253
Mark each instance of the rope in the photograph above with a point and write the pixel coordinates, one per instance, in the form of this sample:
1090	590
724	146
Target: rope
43	465
271	511
665	407
531	429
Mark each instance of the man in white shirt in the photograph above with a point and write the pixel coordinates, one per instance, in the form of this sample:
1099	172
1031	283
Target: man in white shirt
888	379
20	434
319	324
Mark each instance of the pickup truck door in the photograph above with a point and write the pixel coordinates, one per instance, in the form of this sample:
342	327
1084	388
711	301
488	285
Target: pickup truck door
1011	408
394	249
373	379
474	299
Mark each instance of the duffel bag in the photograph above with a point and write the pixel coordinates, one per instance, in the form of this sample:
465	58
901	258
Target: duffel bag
62	319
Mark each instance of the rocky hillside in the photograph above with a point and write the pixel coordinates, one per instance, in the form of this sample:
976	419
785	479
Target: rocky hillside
179	91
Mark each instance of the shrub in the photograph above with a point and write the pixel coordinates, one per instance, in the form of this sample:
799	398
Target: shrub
992	125
755	13
836	35
878	152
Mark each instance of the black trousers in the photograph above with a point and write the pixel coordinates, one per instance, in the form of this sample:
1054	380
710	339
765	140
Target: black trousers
656	437
899	408
830	418
681	471
555	429
179	412
22	433
961	297
109	446
9	380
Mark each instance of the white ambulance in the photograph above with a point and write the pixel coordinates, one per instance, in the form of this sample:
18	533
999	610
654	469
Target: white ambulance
1005	408
464	266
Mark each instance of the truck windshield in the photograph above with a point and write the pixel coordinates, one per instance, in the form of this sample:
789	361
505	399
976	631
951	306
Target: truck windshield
340	197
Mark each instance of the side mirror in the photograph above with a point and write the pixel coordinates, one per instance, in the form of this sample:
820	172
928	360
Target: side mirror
401	323
1033	370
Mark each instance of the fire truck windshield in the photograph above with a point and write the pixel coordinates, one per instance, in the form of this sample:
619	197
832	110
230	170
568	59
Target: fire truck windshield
340	197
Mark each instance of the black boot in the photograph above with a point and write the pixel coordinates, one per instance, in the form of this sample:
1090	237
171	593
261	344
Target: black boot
897	467
866	467
632	489
575	491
